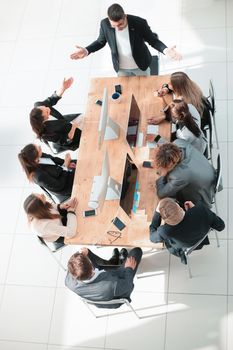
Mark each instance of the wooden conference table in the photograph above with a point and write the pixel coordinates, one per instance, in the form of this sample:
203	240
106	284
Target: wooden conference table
99	230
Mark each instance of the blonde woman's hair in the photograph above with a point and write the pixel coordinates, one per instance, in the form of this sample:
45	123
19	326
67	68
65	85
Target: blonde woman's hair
170	211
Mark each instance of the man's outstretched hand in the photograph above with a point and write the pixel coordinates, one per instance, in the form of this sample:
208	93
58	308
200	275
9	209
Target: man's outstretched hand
171	52
80	53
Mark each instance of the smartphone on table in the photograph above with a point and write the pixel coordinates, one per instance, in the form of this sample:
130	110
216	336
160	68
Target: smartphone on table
118	223
146	164
98	102
118	89
88	213
159	140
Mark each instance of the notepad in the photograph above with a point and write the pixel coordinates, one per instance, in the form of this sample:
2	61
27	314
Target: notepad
152	129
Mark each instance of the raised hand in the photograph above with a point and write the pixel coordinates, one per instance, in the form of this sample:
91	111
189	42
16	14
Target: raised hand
67	160
67	83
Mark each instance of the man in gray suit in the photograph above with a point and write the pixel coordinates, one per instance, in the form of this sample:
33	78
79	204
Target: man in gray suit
185	173
89	277
126	36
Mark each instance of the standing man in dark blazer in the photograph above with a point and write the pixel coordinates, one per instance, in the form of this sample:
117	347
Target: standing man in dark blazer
90	280
126	36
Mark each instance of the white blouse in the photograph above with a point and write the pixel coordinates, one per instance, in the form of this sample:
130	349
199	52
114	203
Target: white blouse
51	229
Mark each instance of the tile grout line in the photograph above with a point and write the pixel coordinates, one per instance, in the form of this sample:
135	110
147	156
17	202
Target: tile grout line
167	298
228	201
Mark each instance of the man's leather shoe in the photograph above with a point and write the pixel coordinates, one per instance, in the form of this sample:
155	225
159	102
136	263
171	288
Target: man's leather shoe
115	257
123	255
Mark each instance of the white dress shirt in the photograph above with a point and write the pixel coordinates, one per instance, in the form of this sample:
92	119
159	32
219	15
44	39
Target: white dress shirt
126	60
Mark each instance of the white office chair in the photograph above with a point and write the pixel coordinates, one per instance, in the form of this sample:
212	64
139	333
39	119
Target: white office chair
218	187
208	132
110	304
189	250
211	99
55	149
53	247
154	66
61	198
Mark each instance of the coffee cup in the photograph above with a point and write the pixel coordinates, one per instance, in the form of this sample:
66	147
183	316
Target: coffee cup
116	96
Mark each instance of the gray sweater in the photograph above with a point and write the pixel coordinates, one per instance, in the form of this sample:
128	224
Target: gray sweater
192	179
108	285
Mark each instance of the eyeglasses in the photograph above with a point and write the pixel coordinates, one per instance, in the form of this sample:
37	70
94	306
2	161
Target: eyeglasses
115	235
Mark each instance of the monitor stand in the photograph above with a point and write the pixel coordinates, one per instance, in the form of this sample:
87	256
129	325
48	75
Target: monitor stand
112	130
113	191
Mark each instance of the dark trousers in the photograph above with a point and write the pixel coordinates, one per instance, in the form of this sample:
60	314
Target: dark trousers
137	254
101	264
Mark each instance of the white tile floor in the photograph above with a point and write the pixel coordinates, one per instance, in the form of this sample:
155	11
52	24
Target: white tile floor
36	311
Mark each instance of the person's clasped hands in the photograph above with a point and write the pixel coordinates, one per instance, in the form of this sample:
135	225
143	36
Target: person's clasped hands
71	204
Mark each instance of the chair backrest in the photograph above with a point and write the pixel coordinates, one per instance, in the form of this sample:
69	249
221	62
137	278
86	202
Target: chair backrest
212	97
189	250
53	247
115	303
208	132
55	148
154	66
218	184
60	198
48	194
109	304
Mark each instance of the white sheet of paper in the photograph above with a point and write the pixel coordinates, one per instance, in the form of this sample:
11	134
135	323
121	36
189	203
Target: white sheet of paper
152	129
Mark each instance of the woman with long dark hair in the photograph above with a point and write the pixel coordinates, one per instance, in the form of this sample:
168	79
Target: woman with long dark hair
188	125
182	87
63	131
54	174
50	221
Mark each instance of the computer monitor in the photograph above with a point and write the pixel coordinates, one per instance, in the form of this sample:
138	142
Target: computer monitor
133	134
130	195
108	129
104	187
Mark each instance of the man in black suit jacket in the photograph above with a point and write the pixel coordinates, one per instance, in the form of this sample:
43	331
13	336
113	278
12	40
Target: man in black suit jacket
89	278
183	229
126	36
